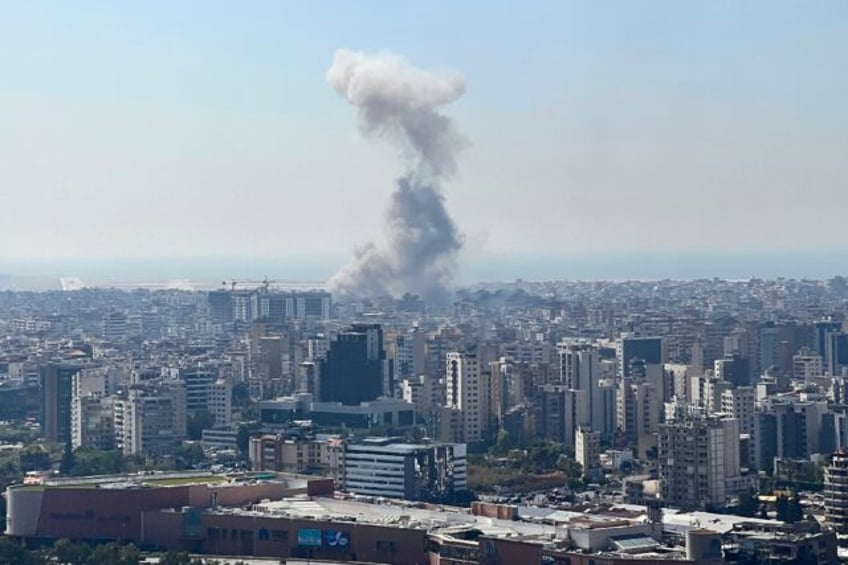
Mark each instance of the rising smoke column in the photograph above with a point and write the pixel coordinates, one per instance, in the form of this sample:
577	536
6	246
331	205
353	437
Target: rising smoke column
401	103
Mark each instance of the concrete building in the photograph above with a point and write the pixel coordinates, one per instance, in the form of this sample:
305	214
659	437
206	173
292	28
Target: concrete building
197	380
219	403
356	368
388	413
807	364
320	455
587	450
115	327
468	391
56	382
388	467
150	418
579	366
699	463
647	349
740	403
425	392
836	491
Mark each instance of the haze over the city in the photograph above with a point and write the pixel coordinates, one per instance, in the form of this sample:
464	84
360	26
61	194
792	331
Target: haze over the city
607	140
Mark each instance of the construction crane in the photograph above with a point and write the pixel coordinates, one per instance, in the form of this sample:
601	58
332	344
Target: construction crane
265	283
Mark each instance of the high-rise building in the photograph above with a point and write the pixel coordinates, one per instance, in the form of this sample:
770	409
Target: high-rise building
821	330
220	403
426	393
807	364
355	369
587	449
734	369
648	349
467	390
559	409
579	365
56	381
836	491
91	408
150	418
198	379
410	354
739	403
115	327
836	353
699	463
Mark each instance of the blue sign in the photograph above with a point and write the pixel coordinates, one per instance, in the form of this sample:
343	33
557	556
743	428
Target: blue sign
192	522
336	539
310	538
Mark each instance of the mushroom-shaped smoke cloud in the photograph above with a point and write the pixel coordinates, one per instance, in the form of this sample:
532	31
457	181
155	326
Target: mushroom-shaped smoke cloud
400	102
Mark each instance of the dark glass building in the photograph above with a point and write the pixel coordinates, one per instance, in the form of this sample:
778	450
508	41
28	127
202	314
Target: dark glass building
648	349
56	392
356	369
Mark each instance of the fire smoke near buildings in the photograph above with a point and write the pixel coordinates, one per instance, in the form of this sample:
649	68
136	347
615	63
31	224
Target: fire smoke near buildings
402	104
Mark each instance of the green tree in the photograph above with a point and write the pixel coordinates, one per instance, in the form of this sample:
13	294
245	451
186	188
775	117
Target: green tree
573	471
244	432
66	551
13	553
188	455
197	422
175	558
34	457
748	504
66	467
502	443
99	462
114	554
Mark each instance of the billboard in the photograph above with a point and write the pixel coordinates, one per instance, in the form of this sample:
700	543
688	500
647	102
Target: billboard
337	539
308	537
192	522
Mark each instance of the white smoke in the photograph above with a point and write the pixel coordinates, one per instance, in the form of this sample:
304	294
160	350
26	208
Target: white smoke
401	102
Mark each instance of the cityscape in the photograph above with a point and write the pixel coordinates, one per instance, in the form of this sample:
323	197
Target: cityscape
492	283
700	421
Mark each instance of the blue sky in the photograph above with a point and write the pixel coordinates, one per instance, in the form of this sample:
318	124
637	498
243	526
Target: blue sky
182	129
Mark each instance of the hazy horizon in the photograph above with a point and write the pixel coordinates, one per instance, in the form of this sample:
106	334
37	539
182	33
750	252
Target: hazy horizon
599	140
611	266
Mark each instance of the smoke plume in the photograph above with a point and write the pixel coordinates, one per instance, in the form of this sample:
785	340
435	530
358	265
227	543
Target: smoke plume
399	102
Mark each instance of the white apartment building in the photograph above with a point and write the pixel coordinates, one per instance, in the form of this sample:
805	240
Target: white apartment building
150	418
699	463
219	403
468	391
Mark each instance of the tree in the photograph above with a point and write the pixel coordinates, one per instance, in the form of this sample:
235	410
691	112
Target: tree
66	551
243	436
11	552
503	441
789	509
34	457
99	462
188	455
114	553
199	421
175	558
66	467
748	504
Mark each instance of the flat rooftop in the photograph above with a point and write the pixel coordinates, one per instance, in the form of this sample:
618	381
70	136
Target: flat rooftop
154	479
